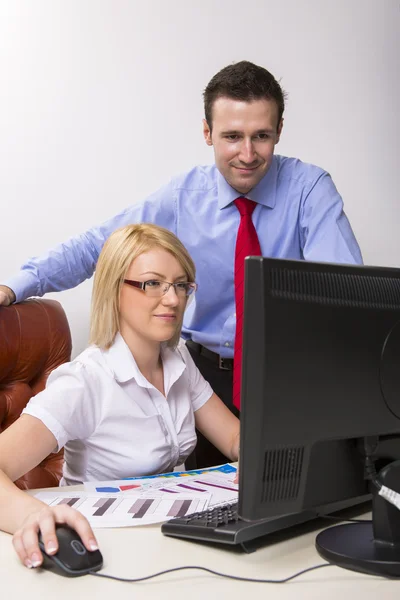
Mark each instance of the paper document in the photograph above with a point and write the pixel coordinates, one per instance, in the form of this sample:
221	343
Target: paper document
217	482
152	499
123	510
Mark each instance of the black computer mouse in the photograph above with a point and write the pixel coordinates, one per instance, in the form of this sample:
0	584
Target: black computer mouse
72	559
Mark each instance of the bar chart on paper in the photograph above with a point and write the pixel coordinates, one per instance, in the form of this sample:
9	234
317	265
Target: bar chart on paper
217	482
221	490
128	510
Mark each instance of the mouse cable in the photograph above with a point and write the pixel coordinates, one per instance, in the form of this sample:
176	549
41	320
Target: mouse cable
212	572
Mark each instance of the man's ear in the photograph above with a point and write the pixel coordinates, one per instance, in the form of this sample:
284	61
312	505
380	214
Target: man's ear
207	133
280	127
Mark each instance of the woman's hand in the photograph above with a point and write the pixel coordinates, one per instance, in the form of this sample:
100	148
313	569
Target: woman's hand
44	521
235	454
235	450
236	480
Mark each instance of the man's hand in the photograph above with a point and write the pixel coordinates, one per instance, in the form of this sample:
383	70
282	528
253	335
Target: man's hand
7	296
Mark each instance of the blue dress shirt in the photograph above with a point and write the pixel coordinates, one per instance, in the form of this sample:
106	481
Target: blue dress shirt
299	215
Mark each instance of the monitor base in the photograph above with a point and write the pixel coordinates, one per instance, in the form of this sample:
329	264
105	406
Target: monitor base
372	547
352	546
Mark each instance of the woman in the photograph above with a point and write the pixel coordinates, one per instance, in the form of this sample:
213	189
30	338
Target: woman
129	404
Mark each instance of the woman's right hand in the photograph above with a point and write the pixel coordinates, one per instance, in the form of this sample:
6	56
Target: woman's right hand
43	520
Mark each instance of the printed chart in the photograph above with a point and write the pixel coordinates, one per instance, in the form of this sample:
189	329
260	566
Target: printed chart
127	510
164	481
222	490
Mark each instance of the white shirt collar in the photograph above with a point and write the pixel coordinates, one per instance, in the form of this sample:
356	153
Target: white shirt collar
120	360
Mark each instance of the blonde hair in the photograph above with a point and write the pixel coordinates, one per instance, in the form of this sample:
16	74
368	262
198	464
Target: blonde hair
121	248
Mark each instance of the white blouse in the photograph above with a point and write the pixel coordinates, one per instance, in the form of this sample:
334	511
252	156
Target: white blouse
112	422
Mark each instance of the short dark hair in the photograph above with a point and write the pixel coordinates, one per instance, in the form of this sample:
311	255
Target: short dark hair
243	81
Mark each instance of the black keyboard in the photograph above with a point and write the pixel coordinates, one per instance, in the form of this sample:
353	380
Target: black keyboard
222	524
213	517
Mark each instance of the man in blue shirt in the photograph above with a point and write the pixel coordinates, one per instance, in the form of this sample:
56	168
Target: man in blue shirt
299	215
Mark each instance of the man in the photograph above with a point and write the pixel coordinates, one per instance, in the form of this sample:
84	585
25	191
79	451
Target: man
298	214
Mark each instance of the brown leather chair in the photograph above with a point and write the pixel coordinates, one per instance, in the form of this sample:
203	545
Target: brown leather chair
34	339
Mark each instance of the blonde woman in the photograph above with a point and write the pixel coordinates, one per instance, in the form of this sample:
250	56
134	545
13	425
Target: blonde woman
129	404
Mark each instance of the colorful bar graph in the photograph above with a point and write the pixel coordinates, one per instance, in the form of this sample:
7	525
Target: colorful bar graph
190	487
105	489
127	510
227	468
217	485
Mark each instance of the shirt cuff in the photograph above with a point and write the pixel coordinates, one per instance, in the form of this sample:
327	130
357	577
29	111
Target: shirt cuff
202	398
24	285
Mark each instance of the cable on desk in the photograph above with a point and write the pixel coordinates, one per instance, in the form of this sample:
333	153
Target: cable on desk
212	572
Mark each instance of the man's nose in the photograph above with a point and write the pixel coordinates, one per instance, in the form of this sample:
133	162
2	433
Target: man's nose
247	153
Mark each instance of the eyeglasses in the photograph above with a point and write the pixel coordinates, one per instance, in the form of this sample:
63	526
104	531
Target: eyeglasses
155	288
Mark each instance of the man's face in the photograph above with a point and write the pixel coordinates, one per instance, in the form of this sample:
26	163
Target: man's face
244	135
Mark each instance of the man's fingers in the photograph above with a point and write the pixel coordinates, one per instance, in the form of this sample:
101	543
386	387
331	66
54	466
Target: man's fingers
4	299
7	296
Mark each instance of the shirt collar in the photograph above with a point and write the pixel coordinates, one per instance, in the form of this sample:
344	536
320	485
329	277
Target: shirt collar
263	193
120	360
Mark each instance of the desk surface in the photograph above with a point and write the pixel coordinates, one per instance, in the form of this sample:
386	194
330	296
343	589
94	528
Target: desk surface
139	551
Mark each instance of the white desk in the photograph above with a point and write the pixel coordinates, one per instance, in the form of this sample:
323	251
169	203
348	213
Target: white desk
139	551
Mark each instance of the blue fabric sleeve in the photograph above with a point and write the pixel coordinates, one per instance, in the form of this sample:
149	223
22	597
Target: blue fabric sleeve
326	234
68	264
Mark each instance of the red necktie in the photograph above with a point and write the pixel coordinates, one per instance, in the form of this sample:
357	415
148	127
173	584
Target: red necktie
247	244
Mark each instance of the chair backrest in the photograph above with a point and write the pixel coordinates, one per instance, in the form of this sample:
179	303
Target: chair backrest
34	339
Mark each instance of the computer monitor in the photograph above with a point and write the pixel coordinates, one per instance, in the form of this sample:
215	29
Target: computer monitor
320	384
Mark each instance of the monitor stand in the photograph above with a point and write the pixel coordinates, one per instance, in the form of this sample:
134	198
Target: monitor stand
370	547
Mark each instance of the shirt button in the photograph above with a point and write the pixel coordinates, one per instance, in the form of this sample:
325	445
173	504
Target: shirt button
227	344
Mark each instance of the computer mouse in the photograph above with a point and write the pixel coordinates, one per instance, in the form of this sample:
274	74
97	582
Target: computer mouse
72	559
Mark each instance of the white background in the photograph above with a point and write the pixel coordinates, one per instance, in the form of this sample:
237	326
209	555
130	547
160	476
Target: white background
101	103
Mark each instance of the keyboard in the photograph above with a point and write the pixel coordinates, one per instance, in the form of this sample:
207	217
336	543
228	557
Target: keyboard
222	524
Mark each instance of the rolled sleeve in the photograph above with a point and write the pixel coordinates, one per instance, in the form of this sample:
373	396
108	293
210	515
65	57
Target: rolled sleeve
66	407
62	436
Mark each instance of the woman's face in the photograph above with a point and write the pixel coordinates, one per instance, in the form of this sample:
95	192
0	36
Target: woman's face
146	317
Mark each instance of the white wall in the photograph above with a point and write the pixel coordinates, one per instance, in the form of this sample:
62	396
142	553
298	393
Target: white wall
101	103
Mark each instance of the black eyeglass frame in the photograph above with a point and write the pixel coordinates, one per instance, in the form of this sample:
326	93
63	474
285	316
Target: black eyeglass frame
141	285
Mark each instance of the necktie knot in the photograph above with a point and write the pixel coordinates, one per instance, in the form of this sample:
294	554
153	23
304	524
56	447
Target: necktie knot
245	206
